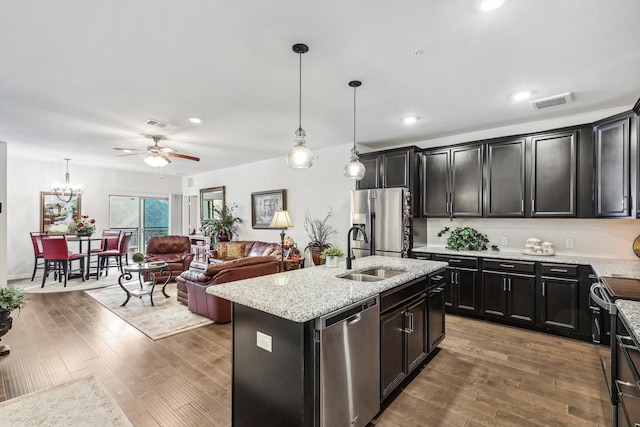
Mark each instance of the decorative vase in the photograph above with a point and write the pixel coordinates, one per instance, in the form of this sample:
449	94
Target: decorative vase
222	237
332	261
84	233
315	254
6	321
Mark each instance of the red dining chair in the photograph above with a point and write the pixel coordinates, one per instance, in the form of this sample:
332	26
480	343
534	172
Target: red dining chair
110	241
38	252
104	257
58	258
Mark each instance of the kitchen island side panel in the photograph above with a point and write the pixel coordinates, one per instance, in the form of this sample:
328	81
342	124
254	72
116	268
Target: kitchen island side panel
272	387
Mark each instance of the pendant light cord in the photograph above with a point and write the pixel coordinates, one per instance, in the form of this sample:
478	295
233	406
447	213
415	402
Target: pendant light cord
300	93
354	118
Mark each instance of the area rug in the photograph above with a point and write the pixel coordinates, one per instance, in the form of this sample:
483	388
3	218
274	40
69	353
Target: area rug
52	285
167	317
80	402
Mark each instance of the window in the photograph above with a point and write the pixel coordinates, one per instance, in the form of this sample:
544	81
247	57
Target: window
146	217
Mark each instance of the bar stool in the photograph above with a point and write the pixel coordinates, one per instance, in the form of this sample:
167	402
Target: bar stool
105	256
38	252
58	258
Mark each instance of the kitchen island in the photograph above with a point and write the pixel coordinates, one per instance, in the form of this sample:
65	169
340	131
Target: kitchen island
278	341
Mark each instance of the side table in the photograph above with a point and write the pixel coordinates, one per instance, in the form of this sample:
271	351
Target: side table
152	269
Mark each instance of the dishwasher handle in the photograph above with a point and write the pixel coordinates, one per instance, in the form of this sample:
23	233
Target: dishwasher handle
350	314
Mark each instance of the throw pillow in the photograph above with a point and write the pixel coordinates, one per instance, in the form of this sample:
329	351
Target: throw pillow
222	250
235	250
267	251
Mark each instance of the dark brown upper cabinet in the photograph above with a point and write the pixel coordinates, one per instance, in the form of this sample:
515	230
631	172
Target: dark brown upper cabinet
505	182
612	162
453	184
391	169
553	175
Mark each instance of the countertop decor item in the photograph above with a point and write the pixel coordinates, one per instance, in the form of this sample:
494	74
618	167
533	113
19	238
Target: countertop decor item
466	239
636	246
138	257
535	246
319	232
332	255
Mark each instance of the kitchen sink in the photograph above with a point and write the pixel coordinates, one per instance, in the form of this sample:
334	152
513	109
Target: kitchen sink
384	273
361	277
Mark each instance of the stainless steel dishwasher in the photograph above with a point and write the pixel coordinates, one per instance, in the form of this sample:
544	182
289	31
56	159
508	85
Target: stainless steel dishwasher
350	364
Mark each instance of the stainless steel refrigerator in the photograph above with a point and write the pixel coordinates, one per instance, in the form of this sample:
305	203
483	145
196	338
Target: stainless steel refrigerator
386	217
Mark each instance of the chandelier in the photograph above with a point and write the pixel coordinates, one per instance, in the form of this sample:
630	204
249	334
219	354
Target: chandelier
68	191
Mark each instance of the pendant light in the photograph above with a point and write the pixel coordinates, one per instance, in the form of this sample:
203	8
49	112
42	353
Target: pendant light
69	191
300	157
354	169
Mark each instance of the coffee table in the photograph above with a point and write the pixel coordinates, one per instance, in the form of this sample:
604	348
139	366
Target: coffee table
146	287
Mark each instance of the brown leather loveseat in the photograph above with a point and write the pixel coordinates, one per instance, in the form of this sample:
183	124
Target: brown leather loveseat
194	284
242	249
174	250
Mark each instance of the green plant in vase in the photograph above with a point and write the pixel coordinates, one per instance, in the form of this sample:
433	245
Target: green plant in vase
319	231
10	299
224	223
466	239
138	257
331	255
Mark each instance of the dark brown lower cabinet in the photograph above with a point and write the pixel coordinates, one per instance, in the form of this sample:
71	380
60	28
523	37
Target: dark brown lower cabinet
559	304
435	307
509	296
403	343
627	376
461	293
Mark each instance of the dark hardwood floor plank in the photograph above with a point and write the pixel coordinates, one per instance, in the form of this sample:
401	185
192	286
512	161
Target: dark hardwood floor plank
484	374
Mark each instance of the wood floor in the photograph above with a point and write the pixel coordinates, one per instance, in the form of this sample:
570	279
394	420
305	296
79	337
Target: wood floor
484	374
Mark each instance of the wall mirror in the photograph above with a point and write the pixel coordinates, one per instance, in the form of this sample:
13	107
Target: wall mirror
210	198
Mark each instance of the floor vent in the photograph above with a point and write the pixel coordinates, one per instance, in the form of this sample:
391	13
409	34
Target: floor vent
564	98
159	124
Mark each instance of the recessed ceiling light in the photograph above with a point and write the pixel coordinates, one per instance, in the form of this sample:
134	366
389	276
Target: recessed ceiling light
195	119
409	120
521	96
488	5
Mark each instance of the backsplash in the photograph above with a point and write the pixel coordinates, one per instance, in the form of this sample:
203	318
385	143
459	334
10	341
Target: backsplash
607	238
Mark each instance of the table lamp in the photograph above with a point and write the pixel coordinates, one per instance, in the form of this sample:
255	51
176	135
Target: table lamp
281	220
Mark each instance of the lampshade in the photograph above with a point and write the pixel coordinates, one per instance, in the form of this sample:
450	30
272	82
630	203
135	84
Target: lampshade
156	161
281	220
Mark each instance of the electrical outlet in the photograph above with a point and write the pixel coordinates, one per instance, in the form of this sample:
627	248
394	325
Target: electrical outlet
504	240
568	243
263	341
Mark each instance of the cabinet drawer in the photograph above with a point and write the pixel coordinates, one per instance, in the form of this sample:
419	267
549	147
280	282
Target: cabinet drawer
457	261
509	265
402	293
421	255
559	270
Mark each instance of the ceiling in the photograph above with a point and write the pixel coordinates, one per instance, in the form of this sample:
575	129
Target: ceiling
80	78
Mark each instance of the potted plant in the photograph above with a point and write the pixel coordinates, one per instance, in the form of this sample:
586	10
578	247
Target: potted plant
331	255
10	299
138	257
319	232
224	223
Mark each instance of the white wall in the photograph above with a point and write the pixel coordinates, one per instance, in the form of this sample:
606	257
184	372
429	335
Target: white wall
318	189
27	178
606	238
3	214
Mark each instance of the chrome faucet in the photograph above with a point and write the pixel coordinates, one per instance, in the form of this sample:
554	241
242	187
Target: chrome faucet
350	255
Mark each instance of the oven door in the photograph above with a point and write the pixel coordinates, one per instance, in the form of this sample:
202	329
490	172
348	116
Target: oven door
602	308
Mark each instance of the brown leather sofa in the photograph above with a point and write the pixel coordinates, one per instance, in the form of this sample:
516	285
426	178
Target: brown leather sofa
193	284
174	250
242	249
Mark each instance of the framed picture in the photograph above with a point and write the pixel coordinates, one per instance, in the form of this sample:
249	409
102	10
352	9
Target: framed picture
55	214
264	204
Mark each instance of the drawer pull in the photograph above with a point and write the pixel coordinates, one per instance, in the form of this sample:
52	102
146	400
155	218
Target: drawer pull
559	270
437	278
455	260
507	265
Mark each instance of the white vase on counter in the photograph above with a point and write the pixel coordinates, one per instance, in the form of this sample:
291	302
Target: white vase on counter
332	261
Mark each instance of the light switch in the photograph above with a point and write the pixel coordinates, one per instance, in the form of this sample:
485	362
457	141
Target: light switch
263	341
568	243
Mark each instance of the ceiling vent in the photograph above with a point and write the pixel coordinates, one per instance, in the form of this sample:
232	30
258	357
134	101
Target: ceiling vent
159	124
564	98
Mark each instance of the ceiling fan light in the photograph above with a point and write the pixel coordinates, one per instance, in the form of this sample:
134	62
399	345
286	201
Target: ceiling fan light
156	161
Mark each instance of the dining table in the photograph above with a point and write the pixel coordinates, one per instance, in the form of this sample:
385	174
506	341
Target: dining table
88	240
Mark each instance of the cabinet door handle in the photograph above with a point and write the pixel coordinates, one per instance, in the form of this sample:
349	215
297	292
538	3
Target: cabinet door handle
522	206
457	278
409	316
533	206
509	284
544	285
453	277
504	284
507	265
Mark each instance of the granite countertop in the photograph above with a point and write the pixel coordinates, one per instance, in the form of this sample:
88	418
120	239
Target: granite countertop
630	313
603	267
308	293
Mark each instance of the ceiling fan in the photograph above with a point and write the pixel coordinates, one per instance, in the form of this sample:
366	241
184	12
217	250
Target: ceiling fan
155	155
